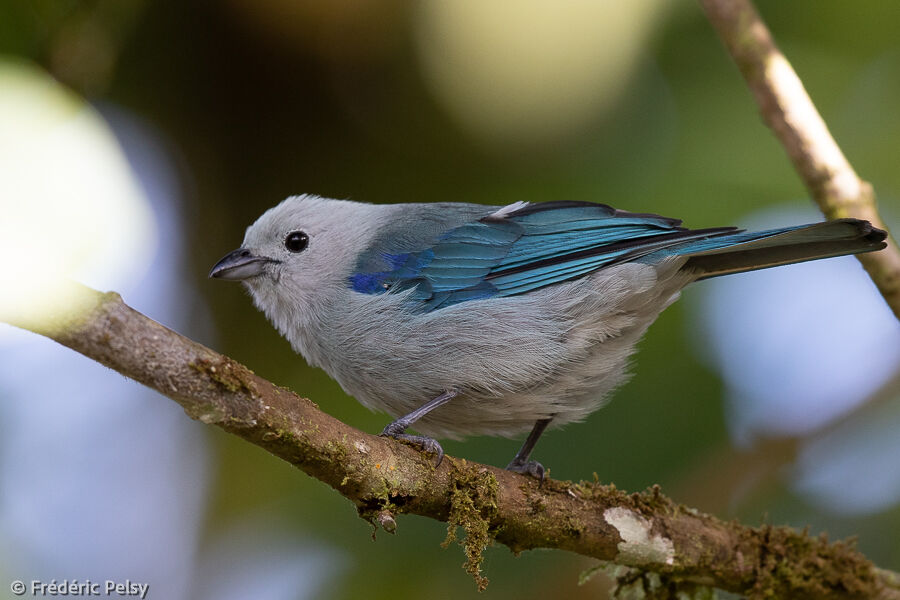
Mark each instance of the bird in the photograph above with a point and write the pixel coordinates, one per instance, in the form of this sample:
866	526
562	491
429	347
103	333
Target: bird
460	319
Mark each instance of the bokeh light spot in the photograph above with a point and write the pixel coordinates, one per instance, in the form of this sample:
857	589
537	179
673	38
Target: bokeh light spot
70	204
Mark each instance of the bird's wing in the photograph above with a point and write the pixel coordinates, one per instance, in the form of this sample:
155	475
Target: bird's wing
520	248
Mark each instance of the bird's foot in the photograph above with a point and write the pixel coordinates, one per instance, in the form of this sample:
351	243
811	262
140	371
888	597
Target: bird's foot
426	444
531	467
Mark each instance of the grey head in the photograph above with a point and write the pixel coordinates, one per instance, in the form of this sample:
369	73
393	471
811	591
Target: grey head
297	255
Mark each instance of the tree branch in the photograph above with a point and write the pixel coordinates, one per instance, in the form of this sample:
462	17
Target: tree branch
787	109
384	478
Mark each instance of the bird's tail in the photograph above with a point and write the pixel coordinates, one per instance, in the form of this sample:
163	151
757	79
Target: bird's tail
747	251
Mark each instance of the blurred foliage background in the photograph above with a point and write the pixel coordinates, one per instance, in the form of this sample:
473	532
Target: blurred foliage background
634	104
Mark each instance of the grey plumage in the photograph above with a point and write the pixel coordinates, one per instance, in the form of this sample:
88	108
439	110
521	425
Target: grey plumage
553	352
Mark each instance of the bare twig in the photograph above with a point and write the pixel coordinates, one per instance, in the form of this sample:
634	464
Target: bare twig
384	478
788	110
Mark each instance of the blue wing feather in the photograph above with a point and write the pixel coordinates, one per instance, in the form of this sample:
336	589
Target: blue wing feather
543	244
524	250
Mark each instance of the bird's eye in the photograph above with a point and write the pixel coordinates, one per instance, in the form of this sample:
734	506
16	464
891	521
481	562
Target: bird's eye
296	241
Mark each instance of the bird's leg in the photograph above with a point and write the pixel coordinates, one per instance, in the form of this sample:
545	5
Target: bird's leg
397	428
521	464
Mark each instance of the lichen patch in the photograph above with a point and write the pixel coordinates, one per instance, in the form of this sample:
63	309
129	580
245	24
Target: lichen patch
639	546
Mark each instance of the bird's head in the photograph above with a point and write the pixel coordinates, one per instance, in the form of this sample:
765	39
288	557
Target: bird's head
297	253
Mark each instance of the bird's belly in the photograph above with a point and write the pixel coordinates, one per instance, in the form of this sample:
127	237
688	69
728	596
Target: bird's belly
558	353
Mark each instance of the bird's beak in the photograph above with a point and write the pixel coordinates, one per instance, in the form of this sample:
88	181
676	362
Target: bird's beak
239	265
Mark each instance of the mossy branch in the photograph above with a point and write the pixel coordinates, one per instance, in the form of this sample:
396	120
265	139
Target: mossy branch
788	110
384	478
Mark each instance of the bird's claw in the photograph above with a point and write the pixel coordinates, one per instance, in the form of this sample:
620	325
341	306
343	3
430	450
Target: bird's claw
425	444
532	467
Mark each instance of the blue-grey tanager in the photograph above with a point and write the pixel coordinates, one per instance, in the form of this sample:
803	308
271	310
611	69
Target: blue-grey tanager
465	319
